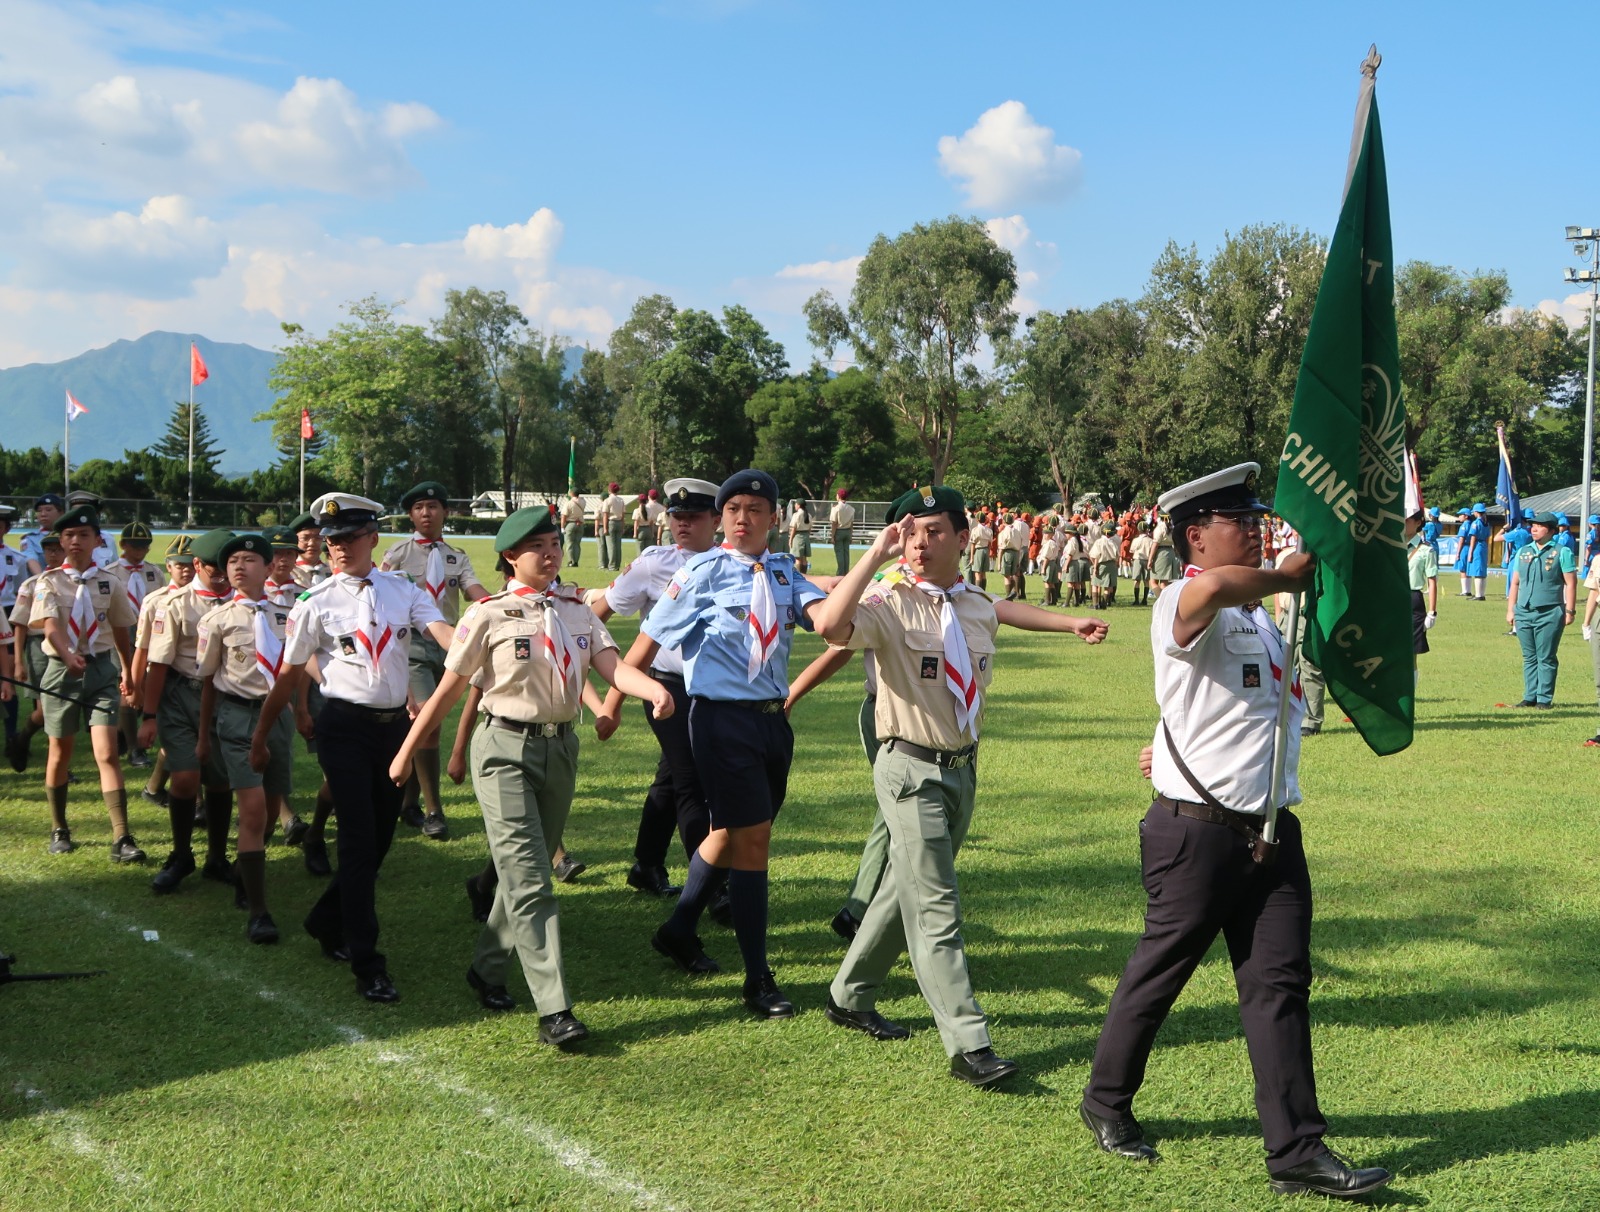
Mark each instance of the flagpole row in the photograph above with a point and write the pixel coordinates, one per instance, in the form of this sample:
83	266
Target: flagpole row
1280	736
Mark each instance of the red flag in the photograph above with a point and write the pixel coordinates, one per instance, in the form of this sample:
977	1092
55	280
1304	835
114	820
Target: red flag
306	431
74	409
198	373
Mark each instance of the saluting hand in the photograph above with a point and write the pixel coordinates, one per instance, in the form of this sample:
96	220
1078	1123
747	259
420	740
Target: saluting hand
890	541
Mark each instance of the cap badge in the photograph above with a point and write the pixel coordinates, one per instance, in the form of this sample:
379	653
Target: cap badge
1250	481
331	508
683	494
755	485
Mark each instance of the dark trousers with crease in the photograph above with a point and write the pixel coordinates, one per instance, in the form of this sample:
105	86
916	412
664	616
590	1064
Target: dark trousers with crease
355	751
1201	882
674	800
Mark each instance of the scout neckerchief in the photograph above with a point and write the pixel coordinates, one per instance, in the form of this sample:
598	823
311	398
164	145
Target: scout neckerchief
957	660
136	585
83	622
762	617
433	577
558	645
269	645
1271	640
372	633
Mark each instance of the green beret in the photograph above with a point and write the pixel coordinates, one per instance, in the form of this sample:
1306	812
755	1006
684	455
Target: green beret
303	521
257	543
50	539
80	515
280	537
524	524
208	547
428	490
920	501
134	532
1538	519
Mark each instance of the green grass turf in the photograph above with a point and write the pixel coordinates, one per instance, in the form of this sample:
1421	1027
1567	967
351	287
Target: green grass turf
1455	1007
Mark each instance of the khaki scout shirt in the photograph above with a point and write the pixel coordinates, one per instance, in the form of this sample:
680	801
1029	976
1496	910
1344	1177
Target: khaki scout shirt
147	614
573	510
841	518
410	559
501	638
175	627
900	624
53	595
613	507
227	647
307	575
24	604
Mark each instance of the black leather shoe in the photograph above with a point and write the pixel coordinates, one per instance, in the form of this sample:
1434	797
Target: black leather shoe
569	869
126	850
490	997
687	953
763	998
296	832
981	1068
172	873
316	856
652	880
845	924
869	1022
435	826
561	1028
61	841
17	753
1122	1137
1329	1174
411	815
262	929
159	798
377	988
482	902
219	869
331	948
1525	703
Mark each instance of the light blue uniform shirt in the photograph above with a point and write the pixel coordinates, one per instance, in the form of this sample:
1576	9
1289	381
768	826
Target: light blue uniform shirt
31	546
703	613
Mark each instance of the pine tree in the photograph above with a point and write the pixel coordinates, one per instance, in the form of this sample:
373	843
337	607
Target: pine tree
174	444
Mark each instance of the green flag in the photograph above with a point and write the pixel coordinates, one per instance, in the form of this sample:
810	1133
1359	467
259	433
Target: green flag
1341	481
572	464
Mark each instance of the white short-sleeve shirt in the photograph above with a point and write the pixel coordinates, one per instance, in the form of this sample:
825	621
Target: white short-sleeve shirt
326	622
639	587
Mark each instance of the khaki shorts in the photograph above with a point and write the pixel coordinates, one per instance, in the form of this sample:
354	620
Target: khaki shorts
96	692
234	726
801	545
1008	562
178	722
980	562
34	660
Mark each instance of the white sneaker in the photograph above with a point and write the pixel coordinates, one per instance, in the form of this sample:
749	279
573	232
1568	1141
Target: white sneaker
1588	632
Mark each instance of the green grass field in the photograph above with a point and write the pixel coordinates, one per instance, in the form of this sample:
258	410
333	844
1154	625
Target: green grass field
1456	1008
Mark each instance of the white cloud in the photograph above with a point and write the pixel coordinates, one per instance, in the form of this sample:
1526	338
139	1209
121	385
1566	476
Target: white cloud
1574	309
157	253
837	276
1010	232
1007	158
536	240
120	109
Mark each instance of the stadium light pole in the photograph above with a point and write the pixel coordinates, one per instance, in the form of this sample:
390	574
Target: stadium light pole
1586	241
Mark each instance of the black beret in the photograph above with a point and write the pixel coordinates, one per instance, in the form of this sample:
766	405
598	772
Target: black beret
748	482
257	543
83	516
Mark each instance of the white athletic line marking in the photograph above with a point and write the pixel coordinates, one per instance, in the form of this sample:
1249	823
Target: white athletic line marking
569	1153
73	1133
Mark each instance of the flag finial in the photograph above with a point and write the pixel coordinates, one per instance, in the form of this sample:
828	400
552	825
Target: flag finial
1369	65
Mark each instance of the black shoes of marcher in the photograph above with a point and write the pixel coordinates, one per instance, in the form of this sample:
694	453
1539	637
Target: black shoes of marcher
652	880
173	872
482	902
435	826
262	929
687	953
490	997
569	869
17	753
296	832
377	988
845	924
1121	1137
763	998
219	869
332	949
411	814
1329	1174
1525	703
61	841
316	856
869	1022
981	1068
561	1028
126	850
160	798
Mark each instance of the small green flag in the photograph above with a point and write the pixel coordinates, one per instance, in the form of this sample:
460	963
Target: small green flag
572	464
1342	478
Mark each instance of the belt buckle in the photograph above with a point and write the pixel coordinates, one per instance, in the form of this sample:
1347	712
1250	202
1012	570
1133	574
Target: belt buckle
548	729
960	761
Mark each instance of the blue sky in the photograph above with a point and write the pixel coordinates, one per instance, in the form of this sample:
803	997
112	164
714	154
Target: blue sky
179	166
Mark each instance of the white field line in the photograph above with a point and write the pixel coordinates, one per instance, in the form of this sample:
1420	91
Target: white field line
69	1130
565	1150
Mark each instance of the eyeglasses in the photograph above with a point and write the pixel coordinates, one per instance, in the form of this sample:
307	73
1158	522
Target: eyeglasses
1246	522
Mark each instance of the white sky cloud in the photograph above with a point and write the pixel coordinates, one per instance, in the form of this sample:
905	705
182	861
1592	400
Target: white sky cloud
1574	309
1007	158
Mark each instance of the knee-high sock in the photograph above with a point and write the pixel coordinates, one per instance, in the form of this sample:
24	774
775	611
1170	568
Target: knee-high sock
117	809
251	870
747	897
427	764
158	773
219	820
699	886
180	812
57	798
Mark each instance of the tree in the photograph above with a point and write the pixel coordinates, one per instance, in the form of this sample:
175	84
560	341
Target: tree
921	306
589	410
1049	373
819	433
642	340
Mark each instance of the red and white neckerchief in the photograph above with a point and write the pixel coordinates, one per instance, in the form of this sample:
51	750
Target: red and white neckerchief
762	617
372	633
136	584
283	592
957	659
559	649
433	579
206	596
269	645
83	623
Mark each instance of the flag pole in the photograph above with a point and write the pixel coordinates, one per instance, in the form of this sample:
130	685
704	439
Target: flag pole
302	463
1280	736
66	453
189	521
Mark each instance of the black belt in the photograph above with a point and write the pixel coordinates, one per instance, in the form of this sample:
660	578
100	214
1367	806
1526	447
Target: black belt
661	675
1246	824
533	729
939	757
764	706
378	715
242	700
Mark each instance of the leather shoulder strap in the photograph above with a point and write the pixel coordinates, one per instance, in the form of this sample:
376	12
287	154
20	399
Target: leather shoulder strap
1200	789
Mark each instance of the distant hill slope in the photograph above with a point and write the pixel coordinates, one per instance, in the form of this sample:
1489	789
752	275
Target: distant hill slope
129	388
